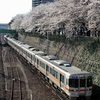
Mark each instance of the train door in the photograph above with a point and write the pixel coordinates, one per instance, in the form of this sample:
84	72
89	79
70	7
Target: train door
47	70
26	55
61	80
37	63
31	58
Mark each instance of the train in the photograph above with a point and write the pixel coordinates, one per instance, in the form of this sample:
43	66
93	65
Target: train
74	82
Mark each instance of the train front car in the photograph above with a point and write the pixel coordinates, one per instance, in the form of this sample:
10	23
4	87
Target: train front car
80	86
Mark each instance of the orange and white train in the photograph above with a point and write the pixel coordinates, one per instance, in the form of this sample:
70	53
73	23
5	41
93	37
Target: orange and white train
74	82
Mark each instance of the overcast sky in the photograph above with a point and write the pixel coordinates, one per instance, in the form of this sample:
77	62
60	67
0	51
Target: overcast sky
10	8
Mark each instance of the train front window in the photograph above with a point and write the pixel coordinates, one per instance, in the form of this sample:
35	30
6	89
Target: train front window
89	81
73	83
82	82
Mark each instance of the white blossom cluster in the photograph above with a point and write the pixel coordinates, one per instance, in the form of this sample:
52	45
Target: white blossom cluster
64	14
16	21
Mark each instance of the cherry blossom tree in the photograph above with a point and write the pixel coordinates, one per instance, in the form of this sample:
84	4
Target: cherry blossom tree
61	17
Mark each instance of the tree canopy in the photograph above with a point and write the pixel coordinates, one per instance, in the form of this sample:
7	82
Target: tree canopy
63	15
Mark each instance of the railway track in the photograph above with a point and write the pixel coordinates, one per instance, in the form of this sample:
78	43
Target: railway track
16	92
15	82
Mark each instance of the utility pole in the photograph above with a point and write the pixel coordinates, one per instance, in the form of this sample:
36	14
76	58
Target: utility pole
47	42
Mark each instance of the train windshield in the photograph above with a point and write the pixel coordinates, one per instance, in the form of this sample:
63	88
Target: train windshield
73	83
82	82
89	81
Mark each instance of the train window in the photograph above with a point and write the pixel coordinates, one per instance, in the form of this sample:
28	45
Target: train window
82	82
28	55
73	83
33	58
89	81
54	73
51	70
24	52
20	49
42	64
62	78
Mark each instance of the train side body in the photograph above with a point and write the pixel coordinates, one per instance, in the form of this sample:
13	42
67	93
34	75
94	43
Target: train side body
74	82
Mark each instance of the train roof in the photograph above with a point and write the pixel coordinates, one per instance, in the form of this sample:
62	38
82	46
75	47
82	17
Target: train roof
41	53
51	57
33	49
65	66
